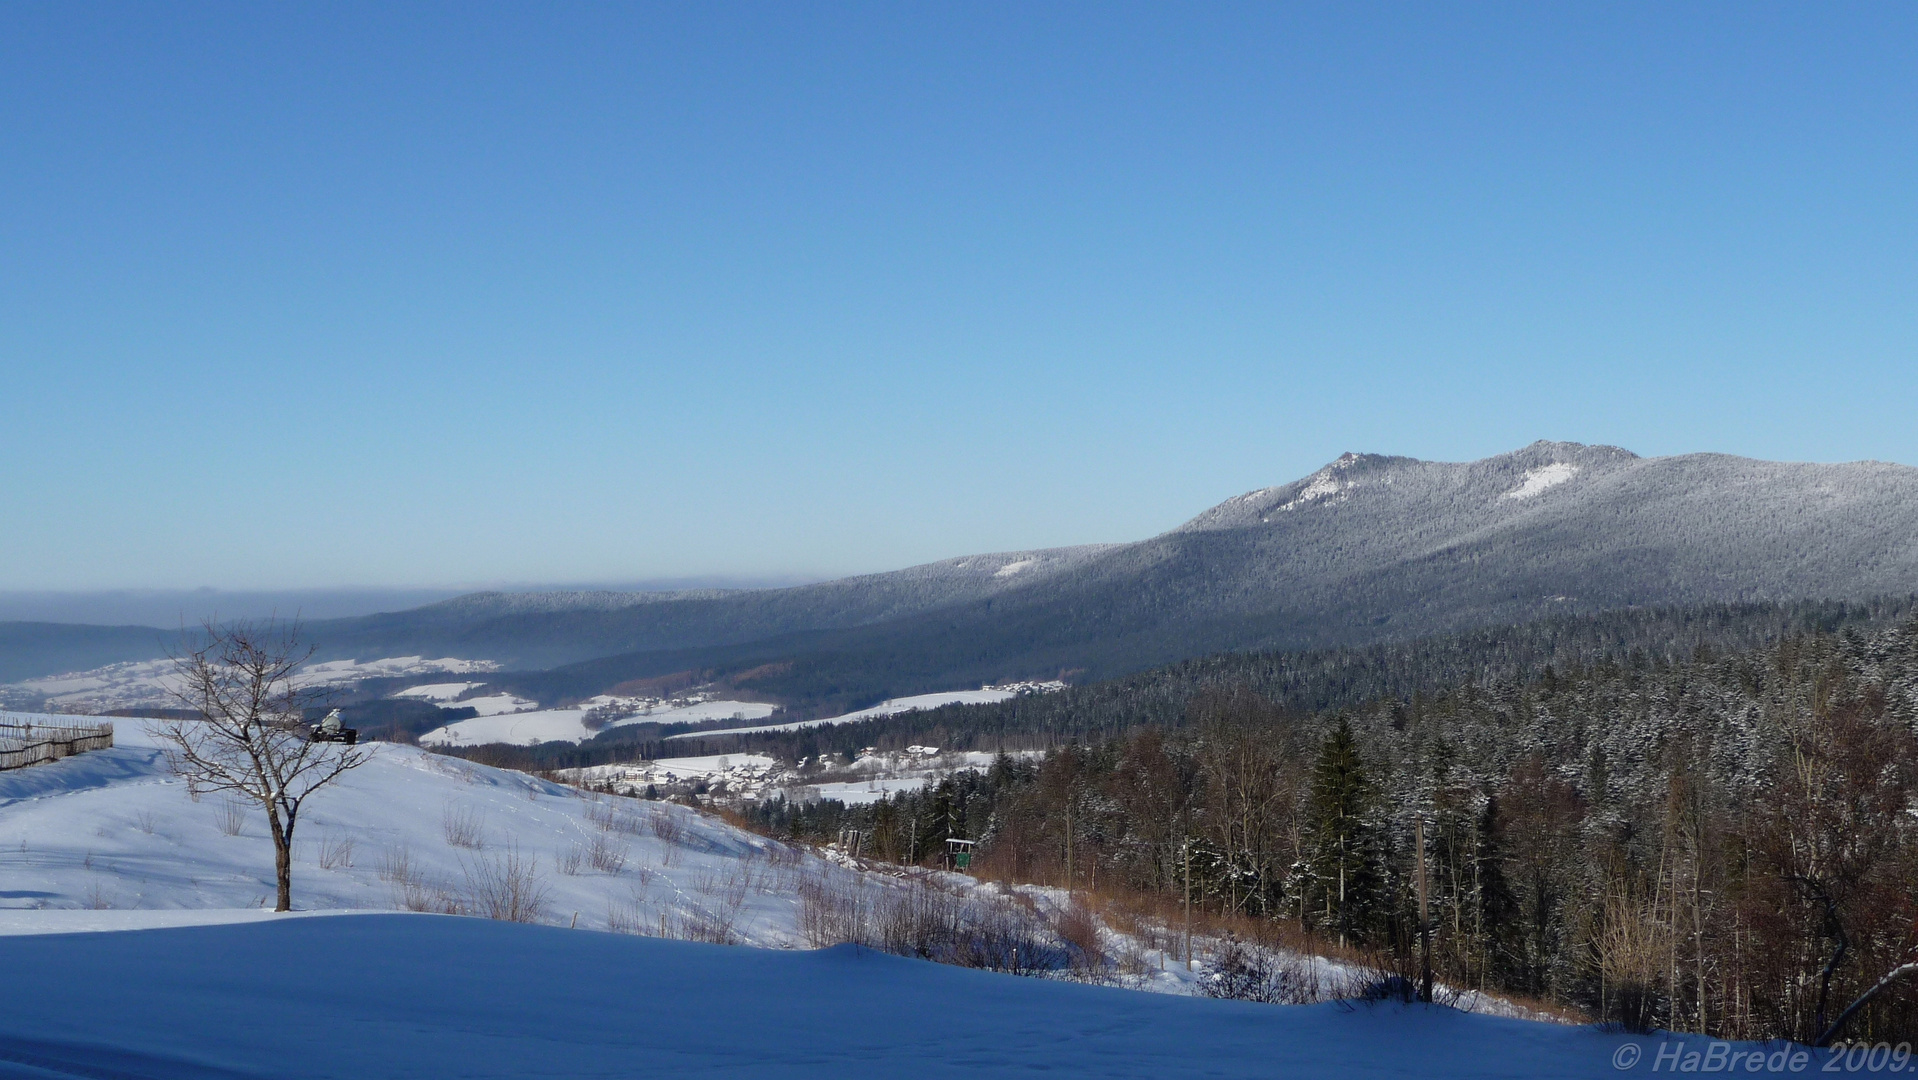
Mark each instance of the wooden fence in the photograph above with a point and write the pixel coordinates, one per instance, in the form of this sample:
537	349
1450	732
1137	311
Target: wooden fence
22	745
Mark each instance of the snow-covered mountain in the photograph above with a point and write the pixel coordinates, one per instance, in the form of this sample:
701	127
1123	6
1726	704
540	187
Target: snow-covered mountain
1365	548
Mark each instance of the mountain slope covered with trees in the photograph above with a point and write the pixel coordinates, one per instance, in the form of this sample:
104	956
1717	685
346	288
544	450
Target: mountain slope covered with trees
1719	841
1367	549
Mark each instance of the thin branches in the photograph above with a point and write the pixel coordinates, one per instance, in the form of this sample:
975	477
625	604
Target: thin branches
247	733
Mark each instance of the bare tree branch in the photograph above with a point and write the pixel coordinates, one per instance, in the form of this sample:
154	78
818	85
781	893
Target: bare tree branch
247	734
1838	1025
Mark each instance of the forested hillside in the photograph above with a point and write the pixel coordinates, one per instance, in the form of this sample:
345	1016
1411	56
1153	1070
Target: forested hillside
1695	837
1321	679
1367	549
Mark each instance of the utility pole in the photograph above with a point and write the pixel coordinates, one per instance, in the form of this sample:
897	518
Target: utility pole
1425	917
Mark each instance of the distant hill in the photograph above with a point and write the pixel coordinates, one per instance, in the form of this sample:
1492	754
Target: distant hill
31	649
1368	548
539	630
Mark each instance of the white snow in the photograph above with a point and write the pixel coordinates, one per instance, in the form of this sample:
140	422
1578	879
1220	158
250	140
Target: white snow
498	704
199	982
686	768
885	774
444	691
1322	486
889	707
391	996
517	728
700	711
92	921
859	792
114	829
1012	568
153	682
1545	476
569	725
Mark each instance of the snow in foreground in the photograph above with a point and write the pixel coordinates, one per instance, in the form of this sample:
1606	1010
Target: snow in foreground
431	996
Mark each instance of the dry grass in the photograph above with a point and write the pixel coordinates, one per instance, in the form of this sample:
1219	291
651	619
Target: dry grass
666	825
606	855
832	908
916	916
625	918
231	817
336	852
422	896
616	819
1079	929
506	887
411	891
396	864
462	828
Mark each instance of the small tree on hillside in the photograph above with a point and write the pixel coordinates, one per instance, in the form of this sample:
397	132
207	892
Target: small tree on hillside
247	733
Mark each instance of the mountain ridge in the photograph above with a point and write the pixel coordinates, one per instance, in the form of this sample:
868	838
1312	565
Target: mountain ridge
1369	547
1365	548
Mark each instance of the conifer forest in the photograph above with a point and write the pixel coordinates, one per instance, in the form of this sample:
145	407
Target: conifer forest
1721	841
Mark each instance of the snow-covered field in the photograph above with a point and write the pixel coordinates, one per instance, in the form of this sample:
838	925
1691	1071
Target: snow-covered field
876	775
518	728
569	725
496	704
873	776
891	707
113	829
428	996
438	692
854	792
151	683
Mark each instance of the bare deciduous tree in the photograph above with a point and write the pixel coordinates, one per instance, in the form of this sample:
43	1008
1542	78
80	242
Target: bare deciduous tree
247	733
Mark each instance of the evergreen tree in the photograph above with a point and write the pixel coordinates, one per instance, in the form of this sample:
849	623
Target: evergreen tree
1343	861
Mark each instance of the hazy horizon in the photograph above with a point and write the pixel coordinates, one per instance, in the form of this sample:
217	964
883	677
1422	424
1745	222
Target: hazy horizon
168	609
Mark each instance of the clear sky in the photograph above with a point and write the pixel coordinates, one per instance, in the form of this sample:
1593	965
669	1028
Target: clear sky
329	294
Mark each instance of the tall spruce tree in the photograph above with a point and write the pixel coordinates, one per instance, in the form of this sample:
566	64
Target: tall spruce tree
1344	857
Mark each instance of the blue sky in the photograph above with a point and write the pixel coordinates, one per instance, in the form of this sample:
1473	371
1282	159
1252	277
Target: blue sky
298	296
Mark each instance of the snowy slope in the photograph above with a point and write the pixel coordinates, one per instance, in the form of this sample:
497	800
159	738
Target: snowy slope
891	707
154	683
113	828
423	996
569	725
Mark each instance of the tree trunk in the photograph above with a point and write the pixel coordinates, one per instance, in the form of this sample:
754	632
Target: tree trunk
1830	1033
282	861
